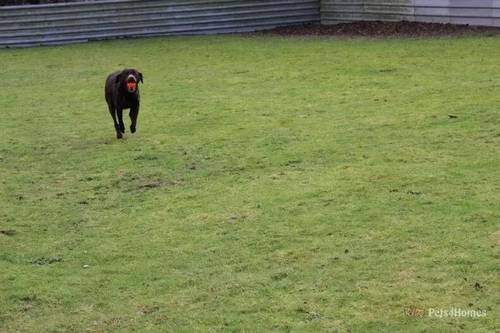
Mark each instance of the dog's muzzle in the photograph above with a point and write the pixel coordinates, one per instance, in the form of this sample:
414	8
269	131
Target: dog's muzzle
131	83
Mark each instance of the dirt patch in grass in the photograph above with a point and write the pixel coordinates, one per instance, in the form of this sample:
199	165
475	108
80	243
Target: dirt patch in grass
28	302
41	261
495	237
383	29
8	232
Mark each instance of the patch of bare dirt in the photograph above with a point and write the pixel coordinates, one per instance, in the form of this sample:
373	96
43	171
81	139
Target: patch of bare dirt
383	29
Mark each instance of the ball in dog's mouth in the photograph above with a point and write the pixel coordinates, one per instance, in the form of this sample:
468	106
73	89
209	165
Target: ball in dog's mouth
131	86
131	83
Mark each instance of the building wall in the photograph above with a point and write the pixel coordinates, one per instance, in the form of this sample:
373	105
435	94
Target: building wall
473	12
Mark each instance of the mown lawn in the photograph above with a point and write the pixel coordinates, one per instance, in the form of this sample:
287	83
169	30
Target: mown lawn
274	185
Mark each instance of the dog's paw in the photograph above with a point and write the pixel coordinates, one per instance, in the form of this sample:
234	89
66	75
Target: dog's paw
122	128
132	128
119	135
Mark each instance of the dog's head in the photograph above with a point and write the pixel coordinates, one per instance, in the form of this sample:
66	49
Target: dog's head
129	79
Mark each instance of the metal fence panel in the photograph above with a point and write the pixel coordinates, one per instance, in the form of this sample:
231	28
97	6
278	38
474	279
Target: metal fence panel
94	20
79	22
473	12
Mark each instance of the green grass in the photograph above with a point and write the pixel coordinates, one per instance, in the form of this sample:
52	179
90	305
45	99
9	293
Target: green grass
274	185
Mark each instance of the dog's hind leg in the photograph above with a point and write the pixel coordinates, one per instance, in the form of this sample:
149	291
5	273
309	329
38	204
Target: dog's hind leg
134	112
119	113
117	127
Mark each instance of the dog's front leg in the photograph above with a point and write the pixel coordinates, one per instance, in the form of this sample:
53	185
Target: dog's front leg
117	126
134	112
119	113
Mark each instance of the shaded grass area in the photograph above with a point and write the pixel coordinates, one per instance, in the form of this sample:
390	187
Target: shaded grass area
287	185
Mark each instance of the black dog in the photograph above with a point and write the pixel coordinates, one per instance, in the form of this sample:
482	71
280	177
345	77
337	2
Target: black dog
122	92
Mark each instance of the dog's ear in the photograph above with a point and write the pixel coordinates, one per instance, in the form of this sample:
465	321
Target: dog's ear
140	77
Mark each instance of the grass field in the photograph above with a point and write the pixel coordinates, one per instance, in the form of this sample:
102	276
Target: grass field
274	185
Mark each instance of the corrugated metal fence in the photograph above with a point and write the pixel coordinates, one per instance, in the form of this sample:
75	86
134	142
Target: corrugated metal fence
79	22
93	20
473	12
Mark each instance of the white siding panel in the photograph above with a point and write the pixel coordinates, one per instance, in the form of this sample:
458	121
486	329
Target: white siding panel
472	12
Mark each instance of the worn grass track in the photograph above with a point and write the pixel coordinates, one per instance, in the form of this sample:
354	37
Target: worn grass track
274	185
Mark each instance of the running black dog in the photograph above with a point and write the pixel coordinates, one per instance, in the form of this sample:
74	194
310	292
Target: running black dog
122	92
